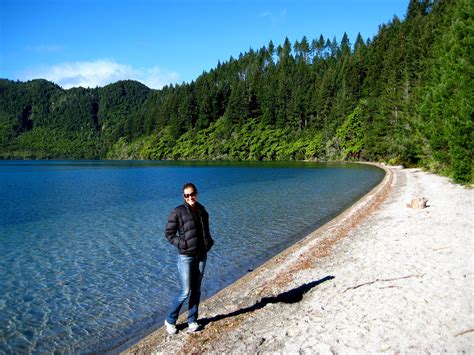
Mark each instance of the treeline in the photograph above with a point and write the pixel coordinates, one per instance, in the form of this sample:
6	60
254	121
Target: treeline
403	97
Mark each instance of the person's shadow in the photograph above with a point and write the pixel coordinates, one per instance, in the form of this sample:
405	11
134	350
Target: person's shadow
292	296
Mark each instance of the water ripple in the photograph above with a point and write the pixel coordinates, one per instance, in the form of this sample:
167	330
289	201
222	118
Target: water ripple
84	261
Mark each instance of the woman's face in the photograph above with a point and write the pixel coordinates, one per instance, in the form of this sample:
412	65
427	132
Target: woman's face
190	196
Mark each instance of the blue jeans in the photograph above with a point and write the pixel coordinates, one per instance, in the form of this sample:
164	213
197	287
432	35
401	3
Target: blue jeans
191	271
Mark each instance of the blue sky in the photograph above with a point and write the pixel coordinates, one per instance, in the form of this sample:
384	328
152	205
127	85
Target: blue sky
92	43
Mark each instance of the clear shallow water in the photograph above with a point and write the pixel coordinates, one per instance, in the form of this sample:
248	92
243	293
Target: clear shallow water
84	265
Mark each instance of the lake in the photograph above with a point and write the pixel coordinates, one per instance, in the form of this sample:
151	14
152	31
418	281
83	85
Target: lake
84	262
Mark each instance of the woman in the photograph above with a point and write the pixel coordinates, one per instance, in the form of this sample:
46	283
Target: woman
188	230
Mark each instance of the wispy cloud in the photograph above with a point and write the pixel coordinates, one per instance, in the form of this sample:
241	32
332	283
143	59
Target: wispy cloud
101	72
45	48
275	18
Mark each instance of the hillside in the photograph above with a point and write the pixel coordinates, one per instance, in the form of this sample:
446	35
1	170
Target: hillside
404	97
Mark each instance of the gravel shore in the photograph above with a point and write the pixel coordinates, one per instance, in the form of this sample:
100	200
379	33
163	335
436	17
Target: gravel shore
381	277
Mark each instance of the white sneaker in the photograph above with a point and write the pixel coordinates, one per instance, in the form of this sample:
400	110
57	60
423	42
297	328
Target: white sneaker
193	327
170	328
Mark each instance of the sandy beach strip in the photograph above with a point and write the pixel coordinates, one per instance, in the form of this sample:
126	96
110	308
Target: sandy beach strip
381	277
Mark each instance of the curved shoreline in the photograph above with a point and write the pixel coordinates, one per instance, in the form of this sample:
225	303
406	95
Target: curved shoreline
381	277
217	312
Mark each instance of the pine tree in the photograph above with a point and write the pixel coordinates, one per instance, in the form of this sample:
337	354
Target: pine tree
448	107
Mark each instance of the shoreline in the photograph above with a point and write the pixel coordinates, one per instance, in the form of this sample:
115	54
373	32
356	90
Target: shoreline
318	295
145	343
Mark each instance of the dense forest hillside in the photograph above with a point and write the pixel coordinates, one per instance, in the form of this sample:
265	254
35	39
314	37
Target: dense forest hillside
403	97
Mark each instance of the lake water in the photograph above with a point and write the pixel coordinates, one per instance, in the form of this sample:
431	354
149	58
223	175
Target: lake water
84	265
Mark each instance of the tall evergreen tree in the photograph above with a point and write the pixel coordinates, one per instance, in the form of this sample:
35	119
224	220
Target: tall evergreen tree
448	110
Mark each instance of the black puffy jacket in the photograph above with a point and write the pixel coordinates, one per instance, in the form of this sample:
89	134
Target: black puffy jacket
182	232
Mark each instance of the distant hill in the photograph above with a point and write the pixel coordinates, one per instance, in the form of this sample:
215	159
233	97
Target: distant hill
403	97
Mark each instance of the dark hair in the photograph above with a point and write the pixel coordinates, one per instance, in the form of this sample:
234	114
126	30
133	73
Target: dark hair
190	185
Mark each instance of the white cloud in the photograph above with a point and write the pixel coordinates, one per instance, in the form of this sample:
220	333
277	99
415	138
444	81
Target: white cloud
100	73
156	78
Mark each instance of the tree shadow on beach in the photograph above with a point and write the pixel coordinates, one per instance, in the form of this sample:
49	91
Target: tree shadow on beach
292	296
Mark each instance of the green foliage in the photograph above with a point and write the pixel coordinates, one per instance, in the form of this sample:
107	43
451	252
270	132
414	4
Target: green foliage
447	110
350	135
251	141
43	143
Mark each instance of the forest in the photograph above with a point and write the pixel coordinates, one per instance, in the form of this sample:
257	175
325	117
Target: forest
402	97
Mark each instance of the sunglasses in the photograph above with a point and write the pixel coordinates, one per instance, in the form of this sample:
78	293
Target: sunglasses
192	194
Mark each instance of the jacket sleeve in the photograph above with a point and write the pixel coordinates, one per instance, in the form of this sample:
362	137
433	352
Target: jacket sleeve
206	224
207	232
172	227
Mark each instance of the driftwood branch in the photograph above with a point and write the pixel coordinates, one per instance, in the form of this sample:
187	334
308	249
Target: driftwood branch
437	249
382	280
390	286
464	332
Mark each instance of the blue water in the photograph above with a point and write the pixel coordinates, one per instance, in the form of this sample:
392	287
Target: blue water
84	265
